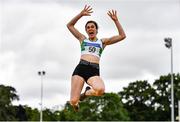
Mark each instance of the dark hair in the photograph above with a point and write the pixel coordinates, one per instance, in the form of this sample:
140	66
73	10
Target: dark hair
91	21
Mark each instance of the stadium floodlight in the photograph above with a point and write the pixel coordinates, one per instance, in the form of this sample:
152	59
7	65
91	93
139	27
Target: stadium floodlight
168	42
41	73
169	45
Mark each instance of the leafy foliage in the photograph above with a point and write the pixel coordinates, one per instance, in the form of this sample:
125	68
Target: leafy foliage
7	95
163	100
32	114
139	101
146	102
104	108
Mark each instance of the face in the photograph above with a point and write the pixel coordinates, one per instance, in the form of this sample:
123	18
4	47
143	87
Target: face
91	30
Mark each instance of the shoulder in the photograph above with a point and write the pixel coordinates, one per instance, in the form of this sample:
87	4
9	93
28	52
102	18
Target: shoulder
104	41
83	39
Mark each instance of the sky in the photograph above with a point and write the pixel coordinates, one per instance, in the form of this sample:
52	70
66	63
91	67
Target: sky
34	37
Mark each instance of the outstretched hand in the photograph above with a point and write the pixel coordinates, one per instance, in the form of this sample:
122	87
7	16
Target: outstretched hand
113	15
87	11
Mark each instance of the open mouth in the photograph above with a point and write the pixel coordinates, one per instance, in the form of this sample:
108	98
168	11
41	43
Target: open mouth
91	33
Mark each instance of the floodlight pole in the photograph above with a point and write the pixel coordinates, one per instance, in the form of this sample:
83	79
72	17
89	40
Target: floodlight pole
168	44
41	73
179	110
172	85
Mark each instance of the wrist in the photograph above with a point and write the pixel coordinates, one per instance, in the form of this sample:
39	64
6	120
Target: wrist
81	14
116	20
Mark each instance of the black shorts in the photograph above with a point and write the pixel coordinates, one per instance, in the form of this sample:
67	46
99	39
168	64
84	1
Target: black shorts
86	69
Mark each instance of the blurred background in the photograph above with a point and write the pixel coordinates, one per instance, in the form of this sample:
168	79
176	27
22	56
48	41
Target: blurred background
34	38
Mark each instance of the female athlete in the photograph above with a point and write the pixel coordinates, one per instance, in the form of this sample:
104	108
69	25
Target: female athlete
91	49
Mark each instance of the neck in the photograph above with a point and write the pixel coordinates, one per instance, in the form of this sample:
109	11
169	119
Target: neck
93	39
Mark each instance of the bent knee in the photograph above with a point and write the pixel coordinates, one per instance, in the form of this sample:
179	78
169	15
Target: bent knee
100	91
74	101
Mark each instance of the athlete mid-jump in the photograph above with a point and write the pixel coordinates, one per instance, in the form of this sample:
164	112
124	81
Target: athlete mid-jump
91	49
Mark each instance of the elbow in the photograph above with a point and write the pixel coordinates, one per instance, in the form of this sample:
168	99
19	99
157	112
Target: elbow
122	37
68	25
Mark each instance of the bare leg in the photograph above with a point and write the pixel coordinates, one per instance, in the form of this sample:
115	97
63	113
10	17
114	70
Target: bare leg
77	84
97	85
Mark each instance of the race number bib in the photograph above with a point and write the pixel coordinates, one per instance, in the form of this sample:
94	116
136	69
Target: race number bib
92	49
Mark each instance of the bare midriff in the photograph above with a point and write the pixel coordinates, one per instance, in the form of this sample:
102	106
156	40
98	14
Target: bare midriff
90	58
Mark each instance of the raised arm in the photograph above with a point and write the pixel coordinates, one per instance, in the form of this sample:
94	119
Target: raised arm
120	36
85	12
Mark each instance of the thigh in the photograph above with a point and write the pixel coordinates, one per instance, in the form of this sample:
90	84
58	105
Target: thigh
77	84
96	82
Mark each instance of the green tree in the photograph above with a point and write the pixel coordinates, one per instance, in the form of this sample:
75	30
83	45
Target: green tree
7	95
58	115
104	108
145	102
32	114
21	113
138	99
48	115
163	100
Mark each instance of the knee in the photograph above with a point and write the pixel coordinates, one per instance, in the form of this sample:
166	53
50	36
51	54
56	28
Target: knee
74	101
100	91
